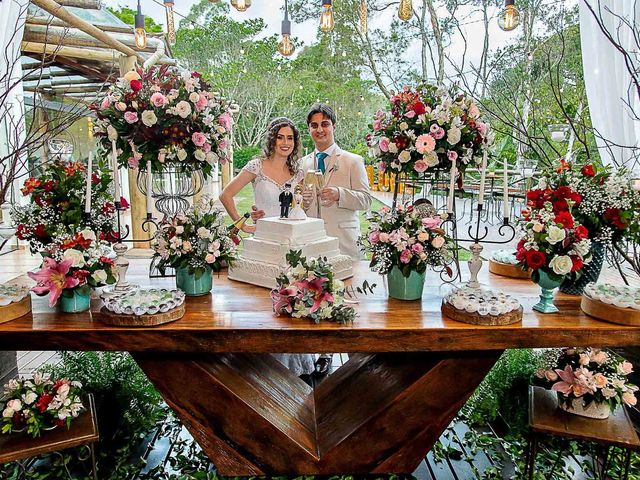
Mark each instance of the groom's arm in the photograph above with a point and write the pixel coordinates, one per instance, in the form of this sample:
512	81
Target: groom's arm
357	197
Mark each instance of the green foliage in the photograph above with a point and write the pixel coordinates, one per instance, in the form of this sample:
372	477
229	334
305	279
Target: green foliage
127	15
242	155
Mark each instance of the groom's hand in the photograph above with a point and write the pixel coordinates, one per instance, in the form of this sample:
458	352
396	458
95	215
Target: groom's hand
329	196
256	214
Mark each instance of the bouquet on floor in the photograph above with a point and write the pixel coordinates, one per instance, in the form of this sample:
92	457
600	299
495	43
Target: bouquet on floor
73	262
552	240
197	240
57	204
426	129
165	116
39	404
307	288
590	374
406	240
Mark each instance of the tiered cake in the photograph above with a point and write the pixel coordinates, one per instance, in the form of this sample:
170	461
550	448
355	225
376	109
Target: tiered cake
264	255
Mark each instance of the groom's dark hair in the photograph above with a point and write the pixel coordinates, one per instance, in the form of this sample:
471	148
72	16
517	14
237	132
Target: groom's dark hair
324	109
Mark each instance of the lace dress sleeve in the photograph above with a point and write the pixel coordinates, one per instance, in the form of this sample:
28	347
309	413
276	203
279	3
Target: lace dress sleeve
253	166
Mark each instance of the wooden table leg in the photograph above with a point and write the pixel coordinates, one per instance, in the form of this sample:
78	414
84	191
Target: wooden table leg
378	413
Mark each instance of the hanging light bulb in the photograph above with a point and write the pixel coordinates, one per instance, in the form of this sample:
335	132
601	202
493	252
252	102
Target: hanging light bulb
363	16
241	5
171	30
141	33
509	17
405	10
326	19
285	47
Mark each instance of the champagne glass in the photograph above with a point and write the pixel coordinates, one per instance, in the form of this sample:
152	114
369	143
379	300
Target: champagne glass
310	179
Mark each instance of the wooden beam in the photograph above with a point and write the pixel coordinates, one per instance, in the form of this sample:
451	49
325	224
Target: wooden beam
95	88
63	14
86	4
59	23
102	55
79	81
63	36
86	70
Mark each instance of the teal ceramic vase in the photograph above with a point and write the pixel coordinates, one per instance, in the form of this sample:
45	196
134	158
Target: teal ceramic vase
193	285
405	288
547	286
77	302
590	272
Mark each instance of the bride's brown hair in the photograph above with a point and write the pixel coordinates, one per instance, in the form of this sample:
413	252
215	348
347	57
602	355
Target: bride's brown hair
274	127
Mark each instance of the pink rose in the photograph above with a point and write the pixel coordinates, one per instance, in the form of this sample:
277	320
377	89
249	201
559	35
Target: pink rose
425	144
384	144
133	162
437	242
452	156
202	103
121	106
410	114
431	222
210	258
482	128
420	166
225	120
436	131
374	237
106	103
405	256
206	147
382	167
223	144
199	139
377	125
158	99
417	248
131	117
384	237
629	398
625	368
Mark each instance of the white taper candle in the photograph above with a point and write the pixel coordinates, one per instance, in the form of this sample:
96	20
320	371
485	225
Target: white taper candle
87	195
505	189
114	166
483	175
452	186
149	180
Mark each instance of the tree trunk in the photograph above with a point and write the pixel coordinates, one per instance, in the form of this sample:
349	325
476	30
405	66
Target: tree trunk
437	33
8	366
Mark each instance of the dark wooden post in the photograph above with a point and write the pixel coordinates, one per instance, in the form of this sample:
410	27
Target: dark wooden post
8	366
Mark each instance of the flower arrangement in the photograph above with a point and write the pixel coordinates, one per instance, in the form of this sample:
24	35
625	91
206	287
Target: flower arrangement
39	404
307	288
590	374
406	240
197	240
428	128
552	239
609	206
73	262
164	116
57	204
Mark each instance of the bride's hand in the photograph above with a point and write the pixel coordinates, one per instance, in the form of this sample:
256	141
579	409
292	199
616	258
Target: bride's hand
248	228
256	214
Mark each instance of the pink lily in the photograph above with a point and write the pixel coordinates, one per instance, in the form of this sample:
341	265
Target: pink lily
52	279
567	382
283	299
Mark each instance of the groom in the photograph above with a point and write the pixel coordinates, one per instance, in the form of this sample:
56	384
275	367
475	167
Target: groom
346	187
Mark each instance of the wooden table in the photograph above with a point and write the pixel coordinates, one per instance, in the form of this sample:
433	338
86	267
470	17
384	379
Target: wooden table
380	412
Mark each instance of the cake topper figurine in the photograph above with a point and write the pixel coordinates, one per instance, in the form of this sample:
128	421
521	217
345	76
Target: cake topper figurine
297	213
285	198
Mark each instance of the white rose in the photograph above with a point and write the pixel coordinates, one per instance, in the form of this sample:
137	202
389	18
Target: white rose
76	256
453	136
186	246
404	156
583	247
555	234
182	154
561	264
210	258
537	227
111	133
203	232
220	129
88	234
194	97
179	229
403	125
431	159
100	276
7	413
200	155
393	148
15	405
183	109
149	118
29	398
211	158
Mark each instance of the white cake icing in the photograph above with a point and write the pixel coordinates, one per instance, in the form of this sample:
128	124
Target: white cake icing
264	255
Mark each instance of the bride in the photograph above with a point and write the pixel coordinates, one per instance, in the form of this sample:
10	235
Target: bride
268	174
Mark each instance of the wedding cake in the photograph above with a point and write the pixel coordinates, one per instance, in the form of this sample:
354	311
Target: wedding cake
264	255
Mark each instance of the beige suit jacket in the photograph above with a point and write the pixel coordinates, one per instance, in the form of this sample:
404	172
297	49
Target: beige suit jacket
345	171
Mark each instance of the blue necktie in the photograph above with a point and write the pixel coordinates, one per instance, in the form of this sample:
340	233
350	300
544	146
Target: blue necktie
320	156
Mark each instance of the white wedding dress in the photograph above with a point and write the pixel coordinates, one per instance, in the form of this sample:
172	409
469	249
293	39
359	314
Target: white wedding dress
266	192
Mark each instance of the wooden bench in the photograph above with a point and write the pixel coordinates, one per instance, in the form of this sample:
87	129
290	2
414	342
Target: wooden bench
83	431
545	418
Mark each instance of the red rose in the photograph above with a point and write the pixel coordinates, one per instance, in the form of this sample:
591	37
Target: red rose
562	192
577	263
48	185
22	231
535	259
136	85
565	219
401	142
581	232
44	401
124	203
18	420
588	171
418	107
612	215
560	206
95	179
521	255
81	275
103	259
41	231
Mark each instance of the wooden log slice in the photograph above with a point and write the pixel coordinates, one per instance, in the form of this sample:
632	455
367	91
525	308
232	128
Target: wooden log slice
15	309
122	320
609	313
477	319
507	270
